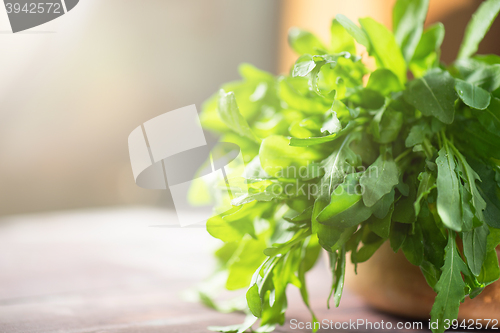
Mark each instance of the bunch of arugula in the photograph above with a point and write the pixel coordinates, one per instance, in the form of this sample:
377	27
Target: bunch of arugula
342	158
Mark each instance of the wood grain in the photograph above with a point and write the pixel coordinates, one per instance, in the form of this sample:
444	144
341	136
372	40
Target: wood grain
110	271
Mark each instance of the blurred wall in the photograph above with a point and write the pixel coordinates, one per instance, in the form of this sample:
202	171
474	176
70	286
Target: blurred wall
73	89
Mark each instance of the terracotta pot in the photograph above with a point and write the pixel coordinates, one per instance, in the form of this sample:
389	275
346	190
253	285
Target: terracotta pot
390	283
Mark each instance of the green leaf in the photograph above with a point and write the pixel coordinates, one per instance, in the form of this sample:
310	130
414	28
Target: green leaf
490	118
479	142
279	159
488	189
304	42
312	141
475	248
383	47
229	231
341	40
253	300
303	66
356	32
426	185
350	217
431	273
366	251
384	81
493	239
342	198
231	116
368	99
434	239
379	179
408	18
328	236
417	134
386	126
309	255
486	77
384	206
428	51
294	91
470	177
346	208
413	246
404	208
332	124
399	232
450	287
448	200
478	26
433	95
490	272
241	270
338	265
382	227
472	95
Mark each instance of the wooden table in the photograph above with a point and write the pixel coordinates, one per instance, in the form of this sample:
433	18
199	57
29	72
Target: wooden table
110	271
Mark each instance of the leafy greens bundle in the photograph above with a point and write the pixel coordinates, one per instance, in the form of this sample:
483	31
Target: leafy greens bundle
343	158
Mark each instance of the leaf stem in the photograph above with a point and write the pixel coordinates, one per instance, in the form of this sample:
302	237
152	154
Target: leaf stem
402	155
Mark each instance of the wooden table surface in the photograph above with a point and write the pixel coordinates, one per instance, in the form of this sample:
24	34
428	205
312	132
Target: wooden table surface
110	271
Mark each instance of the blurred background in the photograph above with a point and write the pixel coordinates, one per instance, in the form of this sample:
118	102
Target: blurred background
73	89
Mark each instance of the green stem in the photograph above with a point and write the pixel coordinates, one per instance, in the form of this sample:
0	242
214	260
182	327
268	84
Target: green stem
402	155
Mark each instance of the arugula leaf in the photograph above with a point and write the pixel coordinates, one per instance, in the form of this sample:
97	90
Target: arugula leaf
241	269
295	93
404	208
399	232
303	66
490	272
428	51
338	265
448	200
332	124
254	301
384	48
356	32
470	177
490	117
384	81
386	125
450	287
413	246
486	77
417	134
382	226
475	248
230	114
478	26
379	179
279	159
408	18
341	40
306	186
433	95
472	95
426	185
